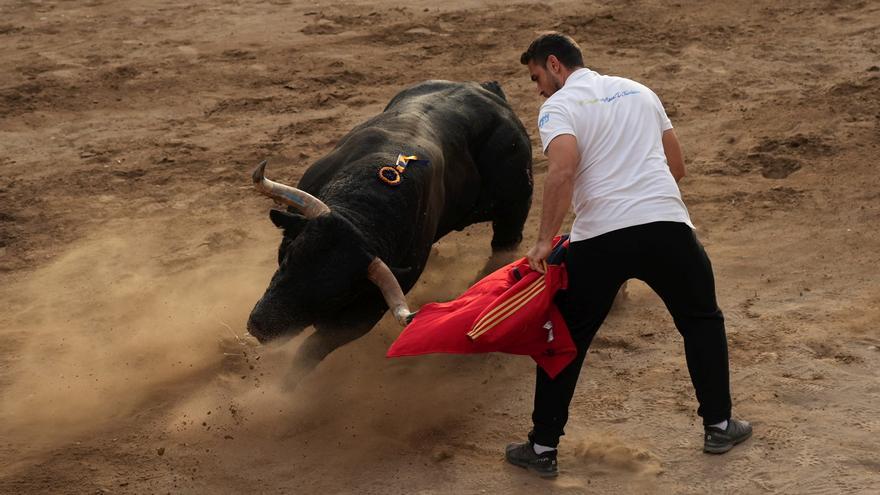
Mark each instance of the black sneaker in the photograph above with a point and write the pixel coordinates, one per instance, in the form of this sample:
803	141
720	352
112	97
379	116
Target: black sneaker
523	455
718	441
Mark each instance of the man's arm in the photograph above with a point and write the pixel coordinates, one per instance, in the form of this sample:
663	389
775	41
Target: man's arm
563	158
674	157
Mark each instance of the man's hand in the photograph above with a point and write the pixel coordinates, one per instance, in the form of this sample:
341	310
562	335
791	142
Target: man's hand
538	256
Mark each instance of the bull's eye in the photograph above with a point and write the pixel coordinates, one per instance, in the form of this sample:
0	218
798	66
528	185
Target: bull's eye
282	250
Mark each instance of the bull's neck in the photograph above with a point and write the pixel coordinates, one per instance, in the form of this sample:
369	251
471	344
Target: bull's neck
381	235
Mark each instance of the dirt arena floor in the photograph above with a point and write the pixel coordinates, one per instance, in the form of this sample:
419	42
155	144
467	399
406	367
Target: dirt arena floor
132	248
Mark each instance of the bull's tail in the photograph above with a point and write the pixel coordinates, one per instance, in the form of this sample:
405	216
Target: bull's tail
494	88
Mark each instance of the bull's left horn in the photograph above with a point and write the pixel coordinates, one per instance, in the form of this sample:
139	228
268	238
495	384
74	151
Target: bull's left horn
379	273
308	205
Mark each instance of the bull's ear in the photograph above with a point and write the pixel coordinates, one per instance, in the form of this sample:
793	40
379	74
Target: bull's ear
292	223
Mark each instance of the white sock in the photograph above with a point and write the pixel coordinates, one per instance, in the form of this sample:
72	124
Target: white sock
722	425
540	449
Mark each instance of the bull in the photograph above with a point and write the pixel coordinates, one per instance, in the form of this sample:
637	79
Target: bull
354	240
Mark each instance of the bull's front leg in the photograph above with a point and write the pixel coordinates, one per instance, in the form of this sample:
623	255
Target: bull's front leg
325	340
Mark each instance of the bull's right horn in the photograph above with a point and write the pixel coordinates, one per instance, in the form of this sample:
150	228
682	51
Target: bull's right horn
308	205
379	273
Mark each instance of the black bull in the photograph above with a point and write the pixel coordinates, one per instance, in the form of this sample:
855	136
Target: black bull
344	226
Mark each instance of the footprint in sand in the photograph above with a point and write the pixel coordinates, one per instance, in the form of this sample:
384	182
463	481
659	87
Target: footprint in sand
776	167
779	437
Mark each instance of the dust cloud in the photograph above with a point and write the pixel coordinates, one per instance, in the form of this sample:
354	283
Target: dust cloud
355	393
150	323
613	453
124	315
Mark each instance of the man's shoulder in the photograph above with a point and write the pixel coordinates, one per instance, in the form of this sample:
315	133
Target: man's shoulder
622	81
556	100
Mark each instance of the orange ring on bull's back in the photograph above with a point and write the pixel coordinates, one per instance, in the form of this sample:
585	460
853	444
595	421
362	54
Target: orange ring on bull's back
393	178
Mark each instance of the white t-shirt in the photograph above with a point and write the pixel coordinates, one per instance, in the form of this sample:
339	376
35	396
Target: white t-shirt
622	179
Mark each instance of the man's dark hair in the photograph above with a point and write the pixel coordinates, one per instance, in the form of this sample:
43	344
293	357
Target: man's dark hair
566	50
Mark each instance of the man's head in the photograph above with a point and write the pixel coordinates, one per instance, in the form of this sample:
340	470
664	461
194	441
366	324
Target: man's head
551	58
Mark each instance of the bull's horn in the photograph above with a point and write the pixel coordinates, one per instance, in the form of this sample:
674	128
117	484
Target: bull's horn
379	273
308	205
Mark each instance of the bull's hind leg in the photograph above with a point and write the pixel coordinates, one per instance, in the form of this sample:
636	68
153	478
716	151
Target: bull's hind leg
322	342
506	166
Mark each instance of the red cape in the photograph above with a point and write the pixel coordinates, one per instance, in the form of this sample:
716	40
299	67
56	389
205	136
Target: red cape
510	310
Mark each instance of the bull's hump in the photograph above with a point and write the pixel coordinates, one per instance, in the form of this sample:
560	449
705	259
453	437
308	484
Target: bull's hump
431	117
441	94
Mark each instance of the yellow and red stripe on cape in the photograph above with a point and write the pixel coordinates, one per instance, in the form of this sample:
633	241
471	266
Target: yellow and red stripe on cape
511	310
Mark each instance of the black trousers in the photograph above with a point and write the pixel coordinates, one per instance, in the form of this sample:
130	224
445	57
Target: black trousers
669	258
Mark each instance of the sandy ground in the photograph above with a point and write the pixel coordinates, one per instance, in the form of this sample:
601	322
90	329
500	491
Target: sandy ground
132	249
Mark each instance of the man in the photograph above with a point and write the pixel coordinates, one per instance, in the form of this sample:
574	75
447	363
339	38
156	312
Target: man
614	156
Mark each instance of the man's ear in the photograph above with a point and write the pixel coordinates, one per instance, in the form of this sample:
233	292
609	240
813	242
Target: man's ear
292	223
553	64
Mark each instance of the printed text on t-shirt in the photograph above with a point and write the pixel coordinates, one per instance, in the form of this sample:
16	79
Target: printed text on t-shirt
543	120
608	99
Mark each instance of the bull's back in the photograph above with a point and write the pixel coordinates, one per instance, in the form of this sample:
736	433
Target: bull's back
443	122
440	121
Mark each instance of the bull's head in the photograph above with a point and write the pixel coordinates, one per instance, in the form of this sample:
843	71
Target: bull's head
323	264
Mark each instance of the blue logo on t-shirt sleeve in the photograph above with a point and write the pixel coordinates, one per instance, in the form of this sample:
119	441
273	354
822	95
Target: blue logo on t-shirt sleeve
543	120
